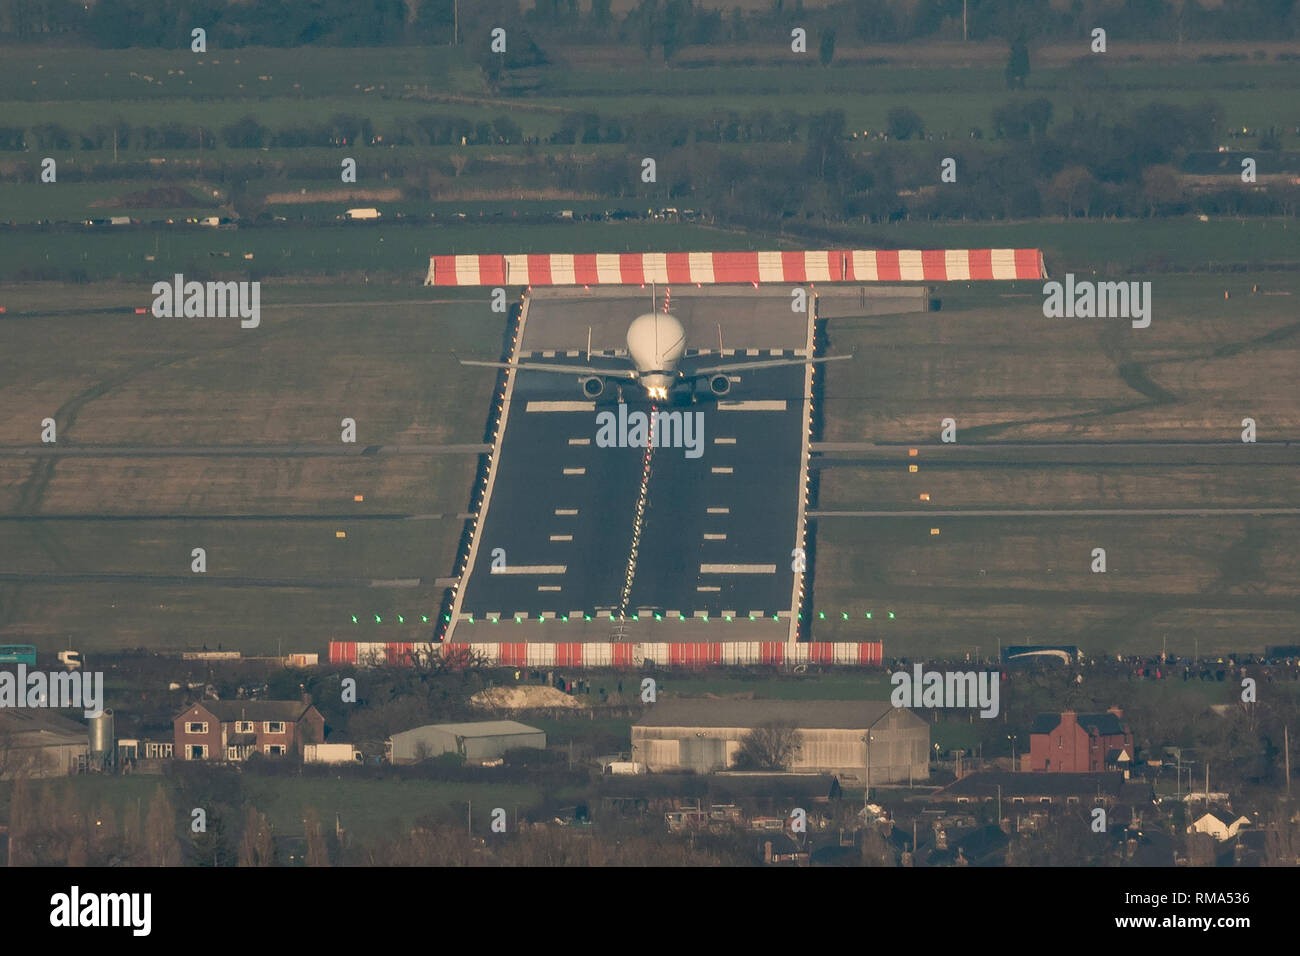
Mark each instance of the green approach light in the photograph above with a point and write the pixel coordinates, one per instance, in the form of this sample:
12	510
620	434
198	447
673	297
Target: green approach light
891	615
611	616
868	615
378	619
751	617
354	619
586	617
400	619
518	619
727	616
635	617
424	618
821	615
659	617
844	615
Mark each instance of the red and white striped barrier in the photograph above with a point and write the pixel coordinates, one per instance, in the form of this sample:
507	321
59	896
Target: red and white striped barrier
710	268
609	654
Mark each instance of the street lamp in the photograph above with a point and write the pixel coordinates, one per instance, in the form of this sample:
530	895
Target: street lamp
1012	738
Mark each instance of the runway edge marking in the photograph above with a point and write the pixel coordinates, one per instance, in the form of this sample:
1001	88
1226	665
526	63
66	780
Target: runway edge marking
492	477
805	460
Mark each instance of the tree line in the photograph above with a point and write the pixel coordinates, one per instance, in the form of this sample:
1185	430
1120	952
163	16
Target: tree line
657	25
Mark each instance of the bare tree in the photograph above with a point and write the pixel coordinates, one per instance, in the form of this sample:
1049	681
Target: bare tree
256	847
161	846
770	746
317	852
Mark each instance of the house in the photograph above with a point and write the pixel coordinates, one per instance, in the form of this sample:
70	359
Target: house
235	729
1220	824
858	742
1080	743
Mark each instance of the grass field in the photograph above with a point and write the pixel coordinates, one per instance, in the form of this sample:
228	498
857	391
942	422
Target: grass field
366	808
1123	249
385	364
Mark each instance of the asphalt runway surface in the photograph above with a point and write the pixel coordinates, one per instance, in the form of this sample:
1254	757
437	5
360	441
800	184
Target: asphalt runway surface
715	532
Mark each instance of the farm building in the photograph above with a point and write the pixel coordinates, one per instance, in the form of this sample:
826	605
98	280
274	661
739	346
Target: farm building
477	742
41	744
835	737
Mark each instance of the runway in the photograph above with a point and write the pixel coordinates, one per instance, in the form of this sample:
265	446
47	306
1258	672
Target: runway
699	530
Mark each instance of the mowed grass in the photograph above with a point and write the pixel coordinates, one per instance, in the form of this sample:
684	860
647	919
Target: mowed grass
991	361
400	249
1228	582
1003	371
1115	249
125	381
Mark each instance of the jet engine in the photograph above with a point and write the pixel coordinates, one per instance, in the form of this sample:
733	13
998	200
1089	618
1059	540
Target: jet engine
593	387
720	384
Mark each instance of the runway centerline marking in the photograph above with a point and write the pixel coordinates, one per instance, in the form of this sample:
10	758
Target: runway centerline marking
531	569
737	569
560	407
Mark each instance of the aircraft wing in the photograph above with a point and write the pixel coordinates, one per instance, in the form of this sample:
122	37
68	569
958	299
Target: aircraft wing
763	363
578	370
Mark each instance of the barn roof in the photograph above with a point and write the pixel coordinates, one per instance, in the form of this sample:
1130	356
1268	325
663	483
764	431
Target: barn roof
746	714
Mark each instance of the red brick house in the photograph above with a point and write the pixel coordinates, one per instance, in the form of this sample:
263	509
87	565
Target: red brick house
235	729
1080	743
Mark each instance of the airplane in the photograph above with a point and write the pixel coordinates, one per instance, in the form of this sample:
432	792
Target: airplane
656	343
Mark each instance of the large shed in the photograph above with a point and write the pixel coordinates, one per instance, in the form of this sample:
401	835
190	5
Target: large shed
476	741
837	737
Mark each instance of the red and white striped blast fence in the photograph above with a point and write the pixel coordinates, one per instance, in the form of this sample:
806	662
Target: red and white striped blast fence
615	655
711	268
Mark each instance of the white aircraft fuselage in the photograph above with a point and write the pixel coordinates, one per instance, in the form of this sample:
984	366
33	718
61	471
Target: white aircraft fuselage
656	342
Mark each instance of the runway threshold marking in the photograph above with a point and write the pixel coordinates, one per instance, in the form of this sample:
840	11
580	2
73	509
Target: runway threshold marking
560	407
754	405
531	569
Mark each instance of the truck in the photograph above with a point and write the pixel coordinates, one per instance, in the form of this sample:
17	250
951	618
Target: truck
331	753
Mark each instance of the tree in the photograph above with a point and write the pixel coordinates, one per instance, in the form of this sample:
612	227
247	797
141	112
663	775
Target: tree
826	50
903	123
161	847
1018	63
317	852
770	746
256	847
